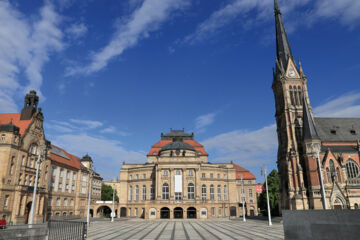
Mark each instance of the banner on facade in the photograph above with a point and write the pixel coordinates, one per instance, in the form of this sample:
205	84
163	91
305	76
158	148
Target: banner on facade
178	183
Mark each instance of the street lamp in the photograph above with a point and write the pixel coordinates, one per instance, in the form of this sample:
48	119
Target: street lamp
32	210
316	150
91	172
243	198
267	197
113	204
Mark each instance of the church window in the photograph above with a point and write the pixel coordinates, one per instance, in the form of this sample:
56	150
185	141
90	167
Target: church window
144	192
338	175
166	172
130	193
299	95
165	191
352	169
219	192
225	193
136	193
328	175
332	170
212	192
203	192
191	189
291	96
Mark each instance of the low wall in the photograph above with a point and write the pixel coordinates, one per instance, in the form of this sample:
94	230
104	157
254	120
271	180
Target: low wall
321	224
18	232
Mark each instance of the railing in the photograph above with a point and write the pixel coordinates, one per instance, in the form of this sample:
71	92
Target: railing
64	230
353	181
65	218
19	232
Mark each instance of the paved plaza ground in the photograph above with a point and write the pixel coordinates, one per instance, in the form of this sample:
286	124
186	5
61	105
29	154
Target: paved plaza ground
220	229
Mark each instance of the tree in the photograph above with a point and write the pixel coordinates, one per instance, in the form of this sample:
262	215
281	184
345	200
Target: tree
273	185
107	193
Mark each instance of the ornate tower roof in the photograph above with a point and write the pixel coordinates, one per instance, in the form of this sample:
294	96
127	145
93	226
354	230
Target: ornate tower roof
283	50
309	130
30	105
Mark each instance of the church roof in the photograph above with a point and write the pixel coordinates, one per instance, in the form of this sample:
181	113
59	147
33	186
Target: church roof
242	172
338	129
309	130
283	50
6	118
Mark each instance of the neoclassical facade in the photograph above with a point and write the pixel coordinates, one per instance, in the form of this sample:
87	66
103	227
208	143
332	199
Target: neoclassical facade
178	181
63	181
304	138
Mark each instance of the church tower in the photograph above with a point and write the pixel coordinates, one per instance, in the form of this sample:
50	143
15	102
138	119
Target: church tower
289	86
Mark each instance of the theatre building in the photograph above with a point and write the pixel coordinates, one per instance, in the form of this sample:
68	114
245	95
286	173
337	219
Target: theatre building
178	181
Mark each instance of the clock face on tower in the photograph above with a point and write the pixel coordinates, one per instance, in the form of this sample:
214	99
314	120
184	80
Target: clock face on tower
292	73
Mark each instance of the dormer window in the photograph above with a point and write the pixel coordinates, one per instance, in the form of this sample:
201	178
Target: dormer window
333	131
353	132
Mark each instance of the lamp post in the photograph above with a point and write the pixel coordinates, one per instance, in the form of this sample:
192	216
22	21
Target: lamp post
113	205
89	198
243	198
316	150
267	197
32	210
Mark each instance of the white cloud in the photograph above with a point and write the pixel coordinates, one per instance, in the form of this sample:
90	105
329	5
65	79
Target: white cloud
110	129
90	124
203	121
246	147
77	30
25	46
347	105
346	11
107	154
144	20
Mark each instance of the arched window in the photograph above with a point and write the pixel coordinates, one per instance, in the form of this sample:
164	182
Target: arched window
300	95
12	165
212	192
338	175
191	191
203	192
144	192
130	193
225	193
296	96
352	169
165	191
219	192
291	96
328	175
356	206
136	192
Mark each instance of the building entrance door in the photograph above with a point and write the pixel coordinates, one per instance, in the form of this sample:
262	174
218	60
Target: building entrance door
191	212
233	211
165	212
123	212
27	212
178	212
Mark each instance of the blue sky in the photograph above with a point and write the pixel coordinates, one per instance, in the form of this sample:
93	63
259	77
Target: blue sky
113	75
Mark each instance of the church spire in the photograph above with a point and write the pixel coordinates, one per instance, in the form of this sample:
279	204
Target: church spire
309	130
283	50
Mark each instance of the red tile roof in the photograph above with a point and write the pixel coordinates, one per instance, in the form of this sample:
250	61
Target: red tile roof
6	118
246	174
73	161
157	147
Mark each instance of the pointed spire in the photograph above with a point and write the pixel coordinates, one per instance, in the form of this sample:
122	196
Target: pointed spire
283	50
309	130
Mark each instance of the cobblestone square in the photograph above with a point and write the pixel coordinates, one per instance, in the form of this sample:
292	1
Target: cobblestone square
185	229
